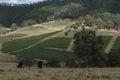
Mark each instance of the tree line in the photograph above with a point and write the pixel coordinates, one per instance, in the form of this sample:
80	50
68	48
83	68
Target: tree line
54	9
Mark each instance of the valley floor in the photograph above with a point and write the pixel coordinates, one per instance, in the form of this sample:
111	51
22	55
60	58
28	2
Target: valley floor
8	71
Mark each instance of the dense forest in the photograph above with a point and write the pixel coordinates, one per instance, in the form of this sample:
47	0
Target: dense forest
91	10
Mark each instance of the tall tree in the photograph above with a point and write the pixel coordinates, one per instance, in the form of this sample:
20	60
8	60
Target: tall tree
89	49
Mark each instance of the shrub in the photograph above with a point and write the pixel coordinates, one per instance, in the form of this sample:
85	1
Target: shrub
27	60
114	58
53	63
66	33
72	63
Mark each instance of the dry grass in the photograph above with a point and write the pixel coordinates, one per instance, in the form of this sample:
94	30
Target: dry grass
43	28
36	29
7	58
8	71
3	29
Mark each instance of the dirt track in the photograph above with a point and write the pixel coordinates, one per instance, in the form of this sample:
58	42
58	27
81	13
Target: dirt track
111	43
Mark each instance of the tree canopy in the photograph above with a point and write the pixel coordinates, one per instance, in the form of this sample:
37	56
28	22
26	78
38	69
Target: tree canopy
89	49
40	12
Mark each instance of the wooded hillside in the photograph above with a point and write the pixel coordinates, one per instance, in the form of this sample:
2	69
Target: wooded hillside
52	9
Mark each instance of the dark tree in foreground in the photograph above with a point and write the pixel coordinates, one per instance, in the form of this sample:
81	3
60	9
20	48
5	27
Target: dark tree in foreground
89	49
114	58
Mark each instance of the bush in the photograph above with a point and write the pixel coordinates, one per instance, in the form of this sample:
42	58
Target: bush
28	22
72	63
114	58
27	60
66	33
53	63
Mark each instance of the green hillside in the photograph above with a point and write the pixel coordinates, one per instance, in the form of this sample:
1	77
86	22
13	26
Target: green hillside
42	50
53	48
117	43
25	42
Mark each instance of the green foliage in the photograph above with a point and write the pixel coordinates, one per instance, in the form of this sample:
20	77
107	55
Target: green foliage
27	60
72	63
75	25
71	10
117	43
41	51
114	58
106	40
53	63
43	11
89	49
89	20
39	12
101	20
28	22
46	54
24	42
56	42
14	26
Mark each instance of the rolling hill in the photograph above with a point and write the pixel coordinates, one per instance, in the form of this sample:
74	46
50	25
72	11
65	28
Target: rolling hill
38	31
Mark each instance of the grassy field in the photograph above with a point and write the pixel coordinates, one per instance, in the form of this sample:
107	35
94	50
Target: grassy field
8	71
47	54
24	42
106	40
117	43
3	30
39	51
7	58
43	28
56	42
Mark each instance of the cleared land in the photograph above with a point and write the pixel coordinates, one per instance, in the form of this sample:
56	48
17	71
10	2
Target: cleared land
8	71
52	48
41	50
24	42
4	30
56	42
37	29
48	49
42	46
43	28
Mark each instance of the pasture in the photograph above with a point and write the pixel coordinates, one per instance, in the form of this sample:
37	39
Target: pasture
117	43
50	49
24	42
42	50
106	40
